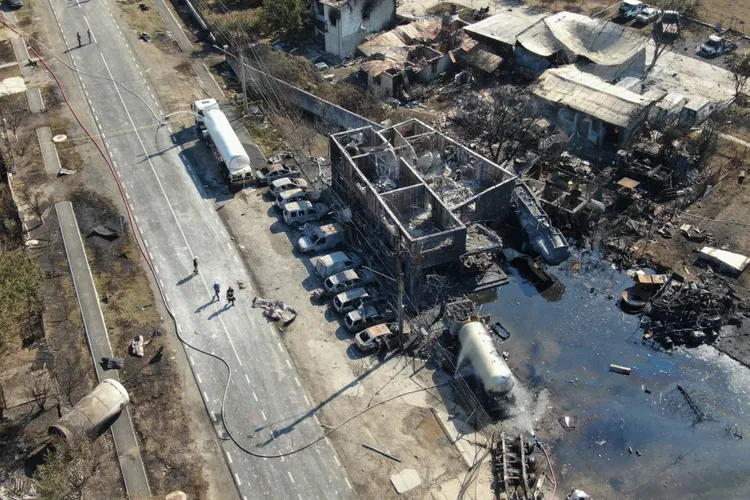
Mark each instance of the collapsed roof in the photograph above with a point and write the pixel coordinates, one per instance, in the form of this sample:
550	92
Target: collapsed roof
401	47
568	86
597	40
507	25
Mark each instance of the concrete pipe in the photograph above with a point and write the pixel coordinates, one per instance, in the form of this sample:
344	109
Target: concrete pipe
92	413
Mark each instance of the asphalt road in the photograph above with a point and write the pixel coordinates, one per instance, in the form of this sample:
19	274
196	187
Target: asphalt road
267	408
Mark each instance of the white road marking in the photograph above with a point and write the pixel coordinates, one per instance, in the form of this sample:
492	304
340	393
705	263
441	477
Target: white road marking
93	37
337	460
247	378
239	483
156	269
264	415
281	348
288	363
347	482
192	362
199	378
306	400
166	198
205	395
290	476
297	380
256	397
127	195
213	415
161	282
229	458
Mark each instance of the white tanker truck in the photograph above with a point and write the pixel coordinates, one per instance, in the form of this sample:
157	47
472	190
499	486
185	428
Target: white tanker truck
212	126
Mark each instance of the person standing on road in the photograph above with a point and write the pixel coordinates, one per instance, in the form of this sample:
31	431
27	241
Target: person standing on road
78	35
217	289
88	32
230	296
195	265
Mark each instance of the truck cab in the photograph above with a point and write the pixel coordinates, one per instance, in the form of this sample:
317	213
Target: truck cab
200	108
629	9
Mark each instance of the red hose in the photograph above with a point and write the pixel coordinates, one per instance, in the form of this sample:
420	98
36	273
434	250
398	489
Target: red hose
98	146
552	471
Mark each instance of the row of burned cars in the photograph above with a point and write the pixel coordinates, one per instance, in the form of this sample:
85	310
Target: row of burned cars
349	285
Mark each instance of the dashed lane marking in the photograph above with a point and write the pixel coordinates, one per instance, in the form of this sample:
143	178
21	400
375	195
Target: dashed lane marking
263	414
229	457
237	478
297	380
290	476
347	482
213	415
247	378
256	397
199	378
288	363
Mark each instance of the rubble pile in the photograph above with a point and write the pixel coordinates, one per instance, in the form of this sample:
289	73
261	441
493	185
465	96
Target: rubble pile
453	192
688	313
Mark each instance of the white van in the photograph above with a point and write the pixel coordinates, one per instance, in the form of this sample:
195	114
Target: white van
289	196
351	300
299	212
322	238
328	265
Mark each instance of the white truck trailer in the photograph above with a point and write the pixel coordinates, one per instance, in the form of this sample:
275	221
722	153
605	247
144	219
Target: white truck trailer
212	126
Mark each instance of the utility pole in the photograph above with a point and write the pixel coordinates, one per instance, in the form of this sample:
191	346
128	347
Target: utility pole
400	300
242	78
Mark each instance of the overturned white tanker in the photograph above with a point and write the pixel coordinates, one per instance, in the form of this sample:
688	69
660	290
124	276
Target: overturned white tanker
478	349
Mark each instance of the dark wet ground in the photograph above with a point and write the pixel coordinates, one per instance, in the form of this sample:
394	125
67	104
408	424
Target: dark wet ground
563	349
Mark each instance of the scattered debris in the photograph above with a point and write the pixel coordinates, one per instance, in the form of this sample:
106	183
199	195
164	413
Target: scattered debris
385	454
406	480
109	363
577	495
66	171
276	310
620	369
568	422
685	312
105	232
138	345
145	37
733	262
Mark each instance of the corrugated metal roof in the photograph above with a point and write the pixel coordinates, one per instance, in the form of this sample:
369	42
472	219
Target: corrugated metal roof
505	26
599	41
589	94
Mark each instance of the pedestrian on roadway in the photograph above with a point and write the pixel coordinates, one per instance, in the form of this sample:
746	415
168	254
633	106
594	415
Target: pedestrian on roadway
195	265
88	32
230	296
217	289
78	35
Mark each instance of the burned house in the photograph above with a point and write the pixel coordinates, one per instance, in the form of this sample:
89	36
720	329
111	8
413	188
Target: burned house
411	188
589	109
343	24
594	45
416	53
499	32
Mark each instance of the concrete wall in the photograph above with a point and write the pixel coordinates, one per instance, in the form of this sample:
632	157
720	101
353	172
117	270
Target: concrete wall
351	27
321	108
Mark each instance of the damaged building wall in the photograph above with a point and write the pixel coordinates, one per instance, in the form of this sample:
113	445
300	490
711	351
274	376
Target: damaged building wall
345	23
376	174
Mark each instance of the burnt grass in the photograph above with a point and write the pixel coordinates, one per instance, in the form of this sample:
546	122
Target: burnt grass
153	382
